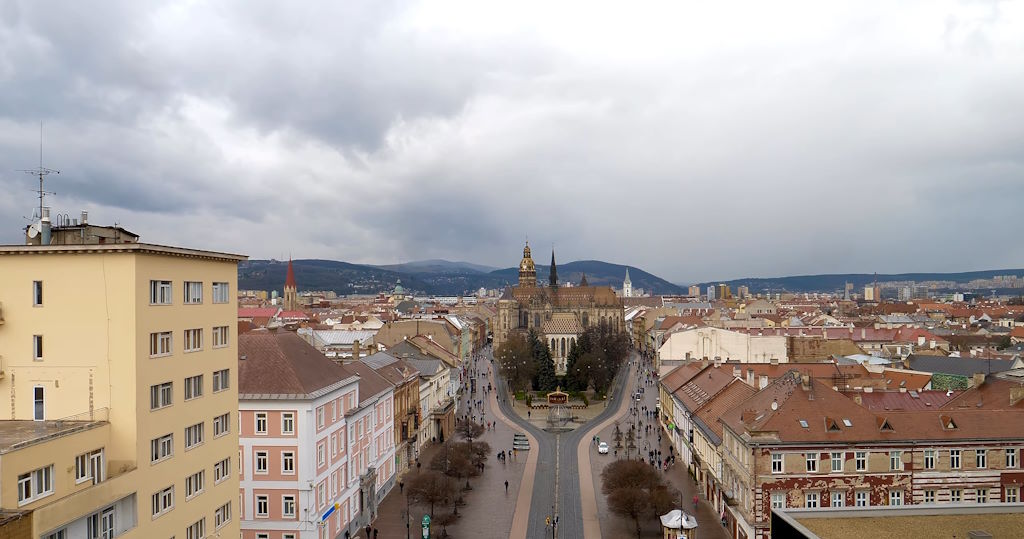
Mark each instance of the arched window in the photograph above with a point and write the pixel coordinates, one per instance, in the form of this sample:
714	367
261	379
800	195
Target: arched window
563	347
552	346
536	320
586	320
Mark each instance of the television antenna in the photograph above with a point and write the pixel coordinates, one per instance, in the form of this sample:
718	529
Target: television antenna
41	172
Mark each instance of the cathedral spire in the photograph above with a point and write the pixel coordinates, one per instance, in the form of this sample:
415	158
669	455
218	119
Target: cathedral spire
554	270
583	281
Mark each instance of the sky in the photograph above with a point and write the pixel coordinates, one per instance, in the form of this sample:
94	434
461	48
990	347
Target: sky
695	140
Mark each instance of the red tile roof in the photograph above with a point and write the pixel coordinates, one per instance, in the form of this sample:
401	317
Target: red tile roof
258	312
282	363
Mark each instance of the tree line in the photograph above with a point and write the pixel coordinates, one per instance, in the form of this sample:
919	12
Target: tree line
592	362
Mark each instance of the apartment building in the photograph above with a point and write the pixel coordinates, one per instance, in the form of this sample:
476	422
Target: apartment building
316	450
118	361
798	443
407	416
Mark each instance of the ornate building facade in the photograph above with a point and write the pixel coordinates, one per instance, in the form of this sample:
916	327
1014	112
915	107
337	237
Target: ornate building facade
559	314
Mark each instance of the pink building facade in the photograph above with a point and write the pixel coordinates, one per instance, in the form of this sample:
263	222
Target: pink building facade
316	443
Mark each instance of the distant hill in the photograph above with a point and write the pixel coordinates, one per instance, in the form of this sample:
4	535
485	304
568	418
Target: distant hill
834	282
437	277
437	266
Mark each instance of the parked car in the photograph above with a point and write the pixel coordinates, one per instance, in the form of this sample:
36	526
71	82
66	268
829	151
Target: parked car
602	448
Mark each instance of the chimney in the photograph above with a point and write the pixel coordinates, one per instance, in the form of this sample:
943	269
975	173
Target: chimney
774	361
85	217
763	383
44	223
737	372
977	379
858	399
750	377
805	381
863	334
355	350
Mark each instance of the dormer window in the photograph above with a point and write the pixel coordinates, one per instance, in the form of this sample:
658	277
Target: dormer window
803	423
831	425
847	422
885	426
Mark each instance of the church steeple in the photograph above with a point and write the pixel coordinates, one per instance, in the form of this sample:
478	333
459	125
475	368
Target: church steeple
290	289
583	281
627	286
553	281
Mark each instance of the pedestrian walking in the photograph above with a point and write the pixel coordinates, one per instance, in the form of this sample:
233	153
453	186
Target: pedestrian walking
506	486
401	486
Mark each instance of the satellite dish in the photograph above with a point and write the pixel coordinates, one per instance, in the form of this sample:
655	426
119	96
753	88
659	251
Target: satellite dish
33	230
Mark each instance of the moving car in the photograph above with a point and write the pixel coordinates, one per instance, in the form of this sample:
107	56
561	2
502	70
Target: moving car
602	448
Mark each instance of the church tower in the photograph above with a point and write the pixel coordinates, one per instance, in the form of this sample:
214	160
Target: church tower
627	286
291	300
527	270
553	280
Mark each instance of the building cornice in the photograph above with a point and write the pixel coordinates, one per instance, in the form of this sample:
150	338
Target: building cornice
134	248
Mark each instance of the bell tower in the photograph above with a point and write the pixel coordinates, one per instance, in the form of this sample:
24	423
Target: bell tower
527	270
291	300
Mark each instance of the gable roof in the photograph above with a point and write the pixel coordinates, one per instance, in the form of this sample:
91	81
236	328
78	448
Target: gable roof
699	389
280	363
727	399
371	384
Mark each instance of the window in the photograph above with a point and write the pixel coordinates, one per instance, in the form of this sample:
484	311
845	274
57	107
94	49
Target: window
221	380
838	499
89	466
778	500
895	460
195	483
161	448
288	462
860	498
321	490
954	459
160	395
929	496
221	470
220	336
1011	458
193	340
163	501
811	500
261	462
35	485
38	403
321	457
193	435
220	292
287	423
1012	494
159	292
37	347
197	530
812	461
982	495
981	458
37	293
100	525
320	418
955	495
262	506
193	292
222	515
59	534
261	422
194	387
929	459
837	462
895	497
220	425
861	460
160	344
288	506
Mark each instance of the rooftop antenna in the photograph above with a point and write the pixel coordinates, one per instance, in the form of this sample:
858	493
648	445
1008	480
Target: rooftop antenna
41	171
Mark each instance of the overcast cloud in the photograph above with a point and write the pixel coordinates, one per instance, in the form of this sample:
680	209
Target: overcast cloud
696	140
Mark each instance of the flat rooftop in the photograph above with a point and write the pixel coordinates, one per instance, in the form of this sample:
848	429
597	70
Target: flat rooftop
932	520
18	434
142	248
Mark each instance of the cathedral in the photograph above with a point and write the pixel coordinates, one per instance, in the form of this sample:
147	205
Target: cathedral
558	314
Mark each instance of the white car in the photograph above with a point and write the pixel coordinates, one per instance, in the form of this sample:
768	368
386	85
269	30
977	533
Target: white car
602	448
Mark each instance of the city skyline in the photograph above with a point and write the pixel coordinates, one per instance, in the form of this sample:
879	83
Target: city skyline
829	133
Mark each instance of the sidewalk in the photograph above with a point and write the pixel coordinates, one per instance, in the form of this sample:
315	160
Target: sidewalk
612	525
488	510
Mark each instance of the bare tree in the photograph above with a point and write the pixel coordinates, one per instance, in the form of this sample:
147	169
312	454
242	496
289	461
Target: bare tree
634	490
429	488
469	430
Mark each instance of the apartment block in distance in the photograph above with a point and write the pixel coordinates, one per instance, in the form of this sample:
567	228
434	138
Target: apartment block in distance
118	374
317	445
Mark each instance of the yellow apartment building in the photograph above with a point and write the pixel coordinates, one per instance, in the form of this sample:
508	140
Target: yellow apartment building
118	390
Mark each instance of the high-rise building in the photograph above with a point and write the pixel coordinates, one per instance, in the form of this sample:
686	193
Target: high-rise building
724	292
693	291
119	364
711	292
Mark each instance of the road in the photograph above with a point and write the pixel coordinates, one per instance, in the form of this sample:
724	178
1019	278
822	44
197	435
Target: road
557	458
